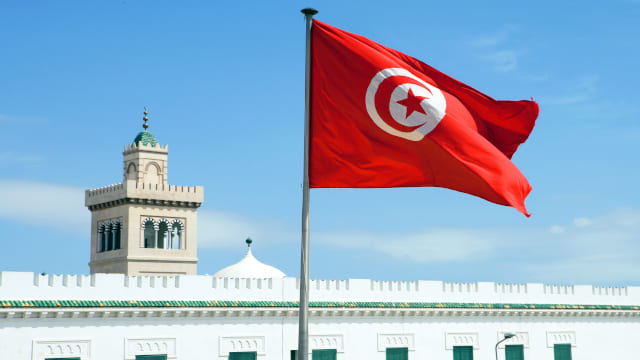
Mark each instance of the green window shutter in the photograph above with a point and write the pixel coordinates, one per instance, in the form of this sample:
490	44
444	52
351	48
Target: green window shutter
294	354
514	352
151	357
463	353
246	355
325	354
561	351
397	354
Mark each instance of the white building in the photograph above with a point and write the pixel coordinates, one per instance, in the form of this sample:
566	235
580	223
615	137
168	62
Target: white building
151	306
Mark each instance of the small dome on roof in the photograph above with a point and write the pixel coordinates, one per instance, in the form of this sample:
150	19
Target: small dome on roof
249	267
146	138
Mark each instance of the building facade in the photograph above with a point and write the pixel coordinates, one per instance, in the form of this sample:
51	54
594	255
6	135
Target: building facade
144	301
193	317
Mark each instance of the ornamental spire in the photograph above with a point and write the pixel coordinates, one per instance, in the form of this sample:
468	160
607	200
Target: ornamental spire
248	241
145	118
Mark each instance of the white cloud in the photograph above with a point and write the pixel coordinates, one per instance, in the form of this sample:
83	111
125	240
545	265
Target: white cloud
491	48
503	60
217	229
61	207
556	229
9	157
598	249
489	40
494	39
583	91
43	204
581	222
423	247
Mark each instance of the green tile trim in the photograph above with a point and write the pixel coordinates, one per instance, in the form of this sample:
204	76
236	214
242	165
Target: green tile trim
294	304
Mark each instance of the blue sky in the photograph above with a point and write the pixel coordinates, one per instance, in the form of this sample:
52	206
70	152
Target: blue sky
224	83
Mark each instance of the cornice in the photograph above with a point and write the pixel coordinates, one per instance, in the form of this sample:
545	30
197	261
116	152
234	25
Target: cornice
144	201
66	309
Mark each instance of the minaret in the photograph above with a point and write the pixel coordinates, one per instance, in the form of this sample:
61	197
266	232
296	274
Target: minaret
143	225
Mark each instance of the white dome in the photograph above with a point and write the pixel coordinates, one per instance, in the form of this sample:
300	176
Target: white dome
250	267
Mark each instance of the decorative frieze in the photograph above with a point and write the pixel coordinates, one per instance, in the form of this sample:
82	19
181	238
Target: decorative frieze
319	342
229	344
46	349
461	339
521	338
396	340
561	337
149	346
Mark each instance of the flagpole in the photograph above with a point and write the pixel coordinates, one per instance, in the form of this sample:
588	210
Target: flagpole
303	310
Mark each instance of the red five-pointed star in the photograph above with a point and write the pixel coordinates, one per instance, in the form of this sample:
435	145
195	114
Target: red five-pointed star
412	103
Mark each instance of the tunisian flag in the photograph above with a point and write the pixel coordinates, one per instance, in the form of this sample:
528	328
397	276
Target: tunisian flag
380	118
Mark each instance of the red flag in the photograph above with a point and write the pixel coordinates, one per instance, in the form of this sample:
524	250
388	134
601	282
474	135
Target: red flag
380	118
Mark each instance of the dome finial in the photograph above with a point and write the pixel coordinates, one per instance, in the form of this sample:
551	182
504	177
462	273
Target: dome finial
248	241
145	118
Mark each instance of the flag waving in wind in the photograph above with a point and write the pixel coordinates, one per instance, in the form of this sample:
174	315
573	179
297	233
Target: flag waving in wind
380	118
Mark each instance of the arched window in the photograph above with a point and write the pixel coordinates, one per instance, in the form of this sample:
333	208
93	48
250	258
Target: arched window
163	234
177	229
149	233
102	238
152	175
118	235
132	171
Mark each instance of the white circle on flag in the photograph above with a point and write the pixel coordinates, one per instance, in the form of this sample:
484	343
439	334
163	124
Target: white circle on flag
420	105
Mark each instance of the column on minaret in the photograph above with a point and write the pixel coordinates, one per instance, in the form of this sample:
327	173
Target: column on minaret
101	236
155	231
108	237
176	238
112	240
118	235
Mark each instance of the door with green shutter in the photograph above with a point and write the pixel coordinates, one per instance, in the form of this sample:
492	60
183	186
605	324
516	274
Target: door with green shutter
463	353
245	355
561	351
514	352
397	354
324	354
151	357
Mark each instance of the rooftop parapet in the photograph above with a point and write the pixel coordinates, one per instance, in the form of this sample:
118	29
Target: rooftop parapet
25	285
129	148
132	189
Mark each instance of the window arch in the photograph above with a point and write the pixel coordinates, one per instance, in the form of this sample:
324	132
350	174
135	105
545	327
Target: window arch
109	236
177	233
163	234
149	228
152	175
132	171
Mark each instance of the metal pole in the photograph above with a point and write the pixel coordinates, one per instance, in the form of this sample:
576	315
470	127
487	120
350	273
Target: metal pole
303	310
507	336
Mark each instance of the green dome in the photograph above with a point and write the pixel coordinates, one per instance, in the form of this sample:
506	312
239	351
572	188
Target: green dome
146	138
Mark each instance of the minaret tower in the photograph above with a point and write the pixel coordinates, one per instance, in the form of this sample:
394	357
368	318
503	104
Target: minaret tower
143	225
